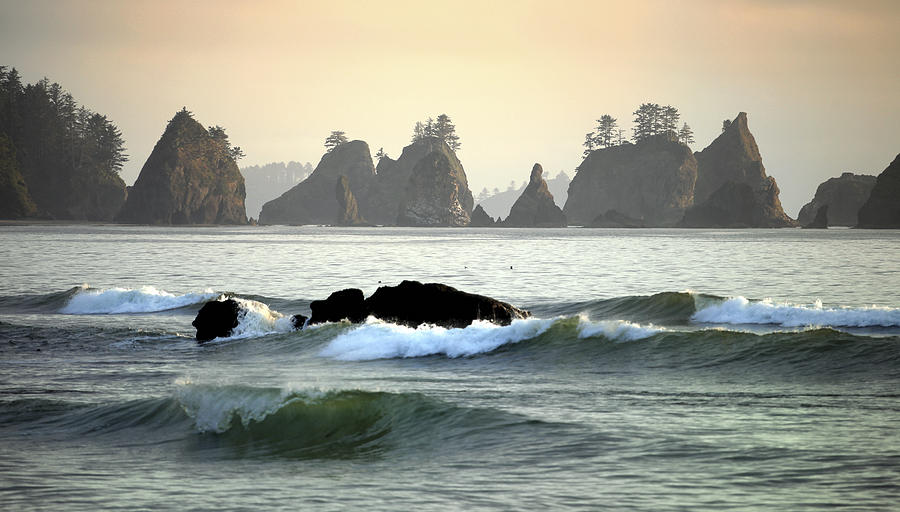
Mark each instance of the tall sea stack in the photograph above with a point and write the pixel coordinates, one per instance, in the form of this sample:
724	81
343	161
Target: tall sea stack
843	196
437	193
189	178
882	210
535	207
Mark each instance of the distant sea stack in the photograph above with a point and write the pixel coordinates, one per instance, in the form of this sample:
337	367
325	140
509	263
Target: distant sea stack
348	209
882	209
480	219
437	194
313	200
189	178
729	167
844	196
651	181
535	207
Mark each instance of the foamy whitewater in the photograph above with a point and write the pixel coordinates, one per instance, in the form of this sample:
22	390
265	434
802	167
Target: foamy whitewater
620	392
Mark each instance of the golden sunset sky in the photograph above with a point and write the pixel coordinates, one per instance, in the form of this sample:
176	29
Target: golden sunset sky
522	80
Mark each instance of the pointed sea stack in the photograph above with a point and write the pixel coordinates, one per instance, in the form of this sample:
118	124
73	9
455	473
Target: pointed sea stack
651	181
882	210
189	178
480	219
731	161
313	200
843	196
437	193
347	207
535	207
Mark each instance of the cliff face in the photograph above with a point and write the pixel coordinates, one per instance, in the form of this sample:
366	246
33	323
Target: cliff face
313	200
437	194
189	178
882	209
652	181
348	209
15	202
535	207
734	158
844	196
733	205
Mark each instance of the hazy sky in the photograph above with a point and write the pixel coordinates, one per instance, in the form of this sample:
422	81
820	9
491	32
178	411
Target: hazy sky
523	81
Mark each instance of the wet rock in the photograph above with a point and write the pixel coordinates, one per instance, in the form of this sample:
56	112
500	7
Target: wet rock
346	304
216	319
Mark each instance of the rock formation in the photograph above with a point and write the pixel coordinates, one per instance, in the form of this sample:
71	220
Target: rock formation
652	181
615	219
733	159
189	178
820	221
882	209
733	205
844	196
437	193
216	319
346	304
480	219
15	202
313	200
535	207
348	209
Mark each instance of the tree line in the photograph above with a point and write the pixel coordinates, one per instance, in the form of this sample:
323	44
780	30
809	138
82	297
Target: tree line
441	128
650	119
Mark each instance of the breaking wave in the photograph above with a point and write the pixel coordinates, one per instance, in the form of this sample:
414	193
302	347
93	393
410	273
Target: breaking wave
739	310
147	299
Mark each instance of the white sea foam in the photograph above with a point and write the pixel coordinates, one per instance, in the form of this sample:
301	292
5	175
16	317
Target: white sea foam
739	310
619	330
125	300
256	319
376	339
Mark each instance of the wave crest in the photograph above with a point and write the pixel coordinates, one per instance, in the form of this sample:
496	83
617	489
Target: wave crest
739	310
147	299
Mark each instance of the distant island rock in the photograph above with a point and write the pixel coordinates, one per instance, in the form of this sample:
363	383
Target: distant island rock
480	219
732	188
882	209
189	178
820	221
437	194
651	181
844	196
535	207
348	209
499	203
313	200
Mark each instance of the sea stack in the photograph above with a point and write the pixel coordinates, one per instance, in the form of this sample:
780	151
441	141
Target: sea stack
535	207
480	219
651	181
313	200
729	167
437	193
820	221
348	209
882	209
843	196
189	178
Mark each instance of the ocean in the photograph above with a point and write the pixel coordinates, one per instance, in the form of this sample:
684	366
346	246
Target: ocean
662	370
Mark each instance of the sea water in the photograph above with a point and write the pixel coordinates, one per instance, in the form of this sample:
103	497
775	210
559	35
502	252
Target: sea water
661	370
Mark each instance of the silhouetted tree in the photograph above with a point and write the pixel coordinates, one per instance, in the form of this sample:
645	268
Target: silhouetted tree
381	154
441	128
725	124
589	143
605	131
221	138
686	135
334	140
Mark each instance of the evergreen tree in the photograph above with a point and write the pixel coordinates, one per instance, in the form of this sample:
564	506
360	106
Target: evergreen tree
334	140
441	128
686	135
606	130
669	119
418	132
590	140
381	154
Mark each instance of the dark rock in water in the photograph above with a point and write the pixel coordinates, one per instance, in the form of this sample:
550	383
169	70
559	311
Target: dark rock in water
437	194
535	207
189	178
413	303
344	304
216	319
733	205
348	209
480	219
733	157
882	210
615	219
652	180
299	321
313	200
821	220
15	202
844	196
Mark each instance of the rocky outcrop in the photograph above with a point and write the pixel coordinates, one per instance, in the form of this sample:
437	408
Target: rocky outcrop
843	196
535	207
615	219
652	181
189	178
348	209
733	158
437	193
313	200
480	219
882	209
217	319
820	221
15	202
348	304
733	205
